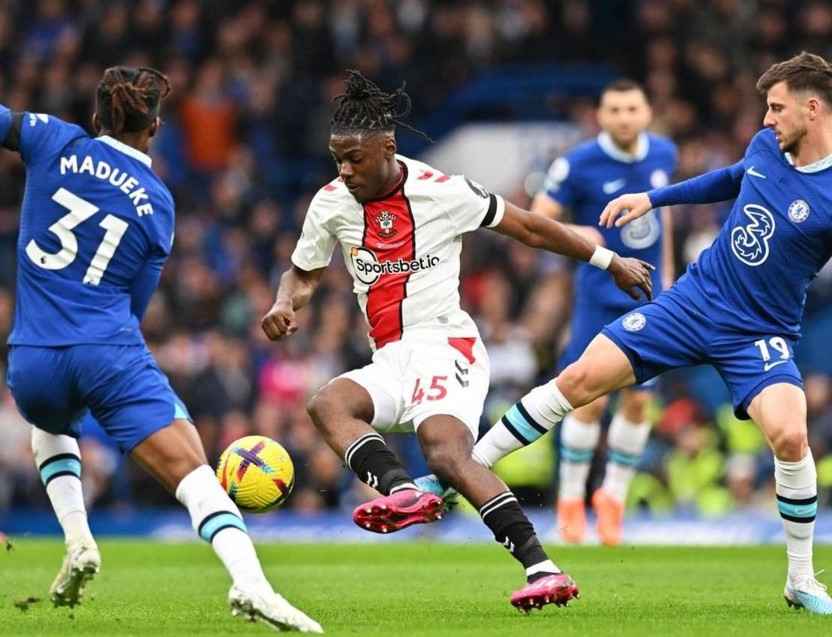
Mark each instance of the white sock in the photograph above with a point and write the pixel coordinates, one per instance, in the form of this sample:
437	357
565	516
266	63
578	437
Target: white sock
797	498
217	520
530	417
625	443
577	446
58	459
547	566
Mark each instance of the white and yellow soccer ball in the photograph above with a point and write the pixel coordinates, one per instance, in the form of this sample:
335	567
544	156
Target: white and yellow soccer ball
257	473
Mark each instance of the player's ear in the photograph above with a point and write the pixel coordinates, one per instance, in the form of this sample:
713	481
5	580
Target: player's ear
154	127
96	123
814	106
389	146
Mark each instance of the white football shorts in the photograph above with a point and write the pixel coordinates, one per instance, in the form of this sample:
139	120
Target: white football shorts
412	380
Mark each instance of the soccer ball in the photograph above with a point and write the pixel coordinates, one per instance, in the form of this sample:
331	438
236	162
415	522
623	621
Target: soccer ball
257	473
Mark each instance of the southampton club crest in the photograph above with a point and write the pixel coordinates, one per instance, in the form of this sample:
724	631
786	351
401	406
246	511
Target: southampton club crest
386	224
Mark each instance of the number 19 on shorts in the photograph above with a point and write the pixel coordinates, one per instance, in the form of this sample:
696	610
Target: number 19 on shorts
779	345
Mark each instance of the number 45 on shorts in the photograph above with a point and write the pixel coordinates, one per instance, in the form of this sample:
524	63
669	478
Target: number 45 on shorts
435	391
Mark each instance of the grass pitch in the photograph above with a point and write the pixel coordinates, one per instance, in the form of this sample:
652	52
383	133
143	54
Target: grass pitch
148	588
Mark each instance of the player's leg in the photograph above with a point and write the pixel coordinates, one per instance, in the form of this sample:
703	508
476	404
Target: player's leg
349	412
626	439
58	459
342	412
175	457
447	443
780	411
132	400
578	439
633	348
603	368
42	386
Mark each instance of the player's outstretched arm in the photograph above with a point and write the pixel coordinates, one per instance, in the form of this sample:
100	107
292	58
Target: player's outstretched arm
536	231
717	185
296	288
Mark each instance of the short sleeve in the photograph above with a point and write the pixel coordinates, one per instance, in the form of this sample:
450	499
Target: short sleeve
560	184
316	244
469	205
44	135
762	146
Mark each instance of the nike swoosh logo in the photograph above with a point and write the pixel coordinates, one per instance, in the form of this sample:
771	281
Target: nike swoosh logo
613	186
754	173
768	366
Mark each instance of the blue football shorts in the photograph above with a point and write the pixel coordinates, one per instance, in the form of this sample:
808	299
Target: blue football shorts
664	335
587	322
120	385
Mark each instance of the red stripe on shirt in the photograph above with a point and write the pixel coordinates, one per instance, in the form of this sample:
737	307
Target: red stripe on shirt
389	242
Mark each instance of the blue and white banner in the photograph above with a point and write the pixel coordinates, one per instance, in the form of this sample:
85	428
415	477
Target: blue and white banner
746	527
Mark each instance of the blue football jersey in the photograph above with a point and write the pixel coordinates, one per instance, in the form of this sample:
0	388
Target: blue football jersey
754	277
590	176
96	227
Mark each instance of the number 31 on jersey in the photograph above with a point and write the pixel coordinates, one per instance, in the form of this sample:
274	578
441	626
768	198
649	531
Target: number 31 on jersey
79	211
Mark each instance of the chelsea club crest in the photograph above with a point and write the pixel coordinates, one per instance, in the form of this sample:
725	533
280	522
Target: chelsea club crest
798	211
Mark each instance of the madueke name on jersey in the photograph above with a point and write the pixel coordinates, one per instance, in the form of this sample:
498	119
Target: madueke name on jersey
118	178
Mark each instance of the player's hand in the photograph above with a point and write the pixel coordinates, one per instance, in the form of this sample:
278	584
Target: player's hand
632	275
632	206
279	321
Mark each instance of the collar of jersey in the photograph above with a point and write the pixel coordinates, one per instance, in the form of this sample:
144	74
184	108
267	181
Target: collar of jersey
396	188
127	150
609	147
814	167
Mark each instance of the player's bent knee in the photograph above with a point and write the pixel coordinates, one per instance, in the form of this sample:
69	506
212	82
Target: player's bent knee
334	402
323	408
634	405
592	412
790	444
579	384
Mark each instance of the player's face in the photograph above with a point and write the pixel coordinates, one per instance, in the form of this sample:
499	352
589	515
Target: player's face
787	116
624	115
364	163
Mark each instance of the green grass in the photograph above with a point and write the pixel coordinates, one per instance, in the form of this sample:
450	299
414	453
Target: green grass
379	590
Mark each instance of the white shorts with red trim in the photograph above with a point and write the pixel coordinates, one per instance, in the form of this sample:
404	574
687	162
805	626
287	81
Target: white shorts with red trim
411	380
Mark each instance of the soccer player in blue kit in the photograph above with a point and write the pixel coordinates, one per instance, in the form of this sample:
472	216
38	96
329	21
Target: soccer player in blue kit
623	158
97	225
738	308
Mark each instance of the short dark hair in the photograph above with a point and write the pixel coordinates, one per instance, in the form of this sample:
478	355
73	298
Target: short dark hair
803	72
364	107
622	85
128	99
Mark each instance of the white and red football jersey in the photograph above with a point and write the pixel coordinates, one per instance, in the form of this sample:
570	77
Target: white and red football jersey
403	251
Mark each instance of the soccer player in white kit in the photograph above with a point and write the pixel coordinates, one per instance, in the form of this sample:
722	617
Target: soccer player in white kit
400	224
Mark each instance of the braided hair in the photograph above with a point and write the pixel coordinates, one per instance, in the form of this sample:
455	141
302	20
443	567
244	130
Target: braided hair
128	99
364	107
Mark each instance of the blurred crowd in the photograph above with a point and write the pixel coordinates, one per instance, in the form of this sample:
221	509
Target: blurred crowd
243	148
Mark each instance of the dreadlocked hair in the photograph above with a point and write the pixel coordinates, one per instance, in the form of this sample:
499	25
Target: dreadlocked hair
364	107
128	99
